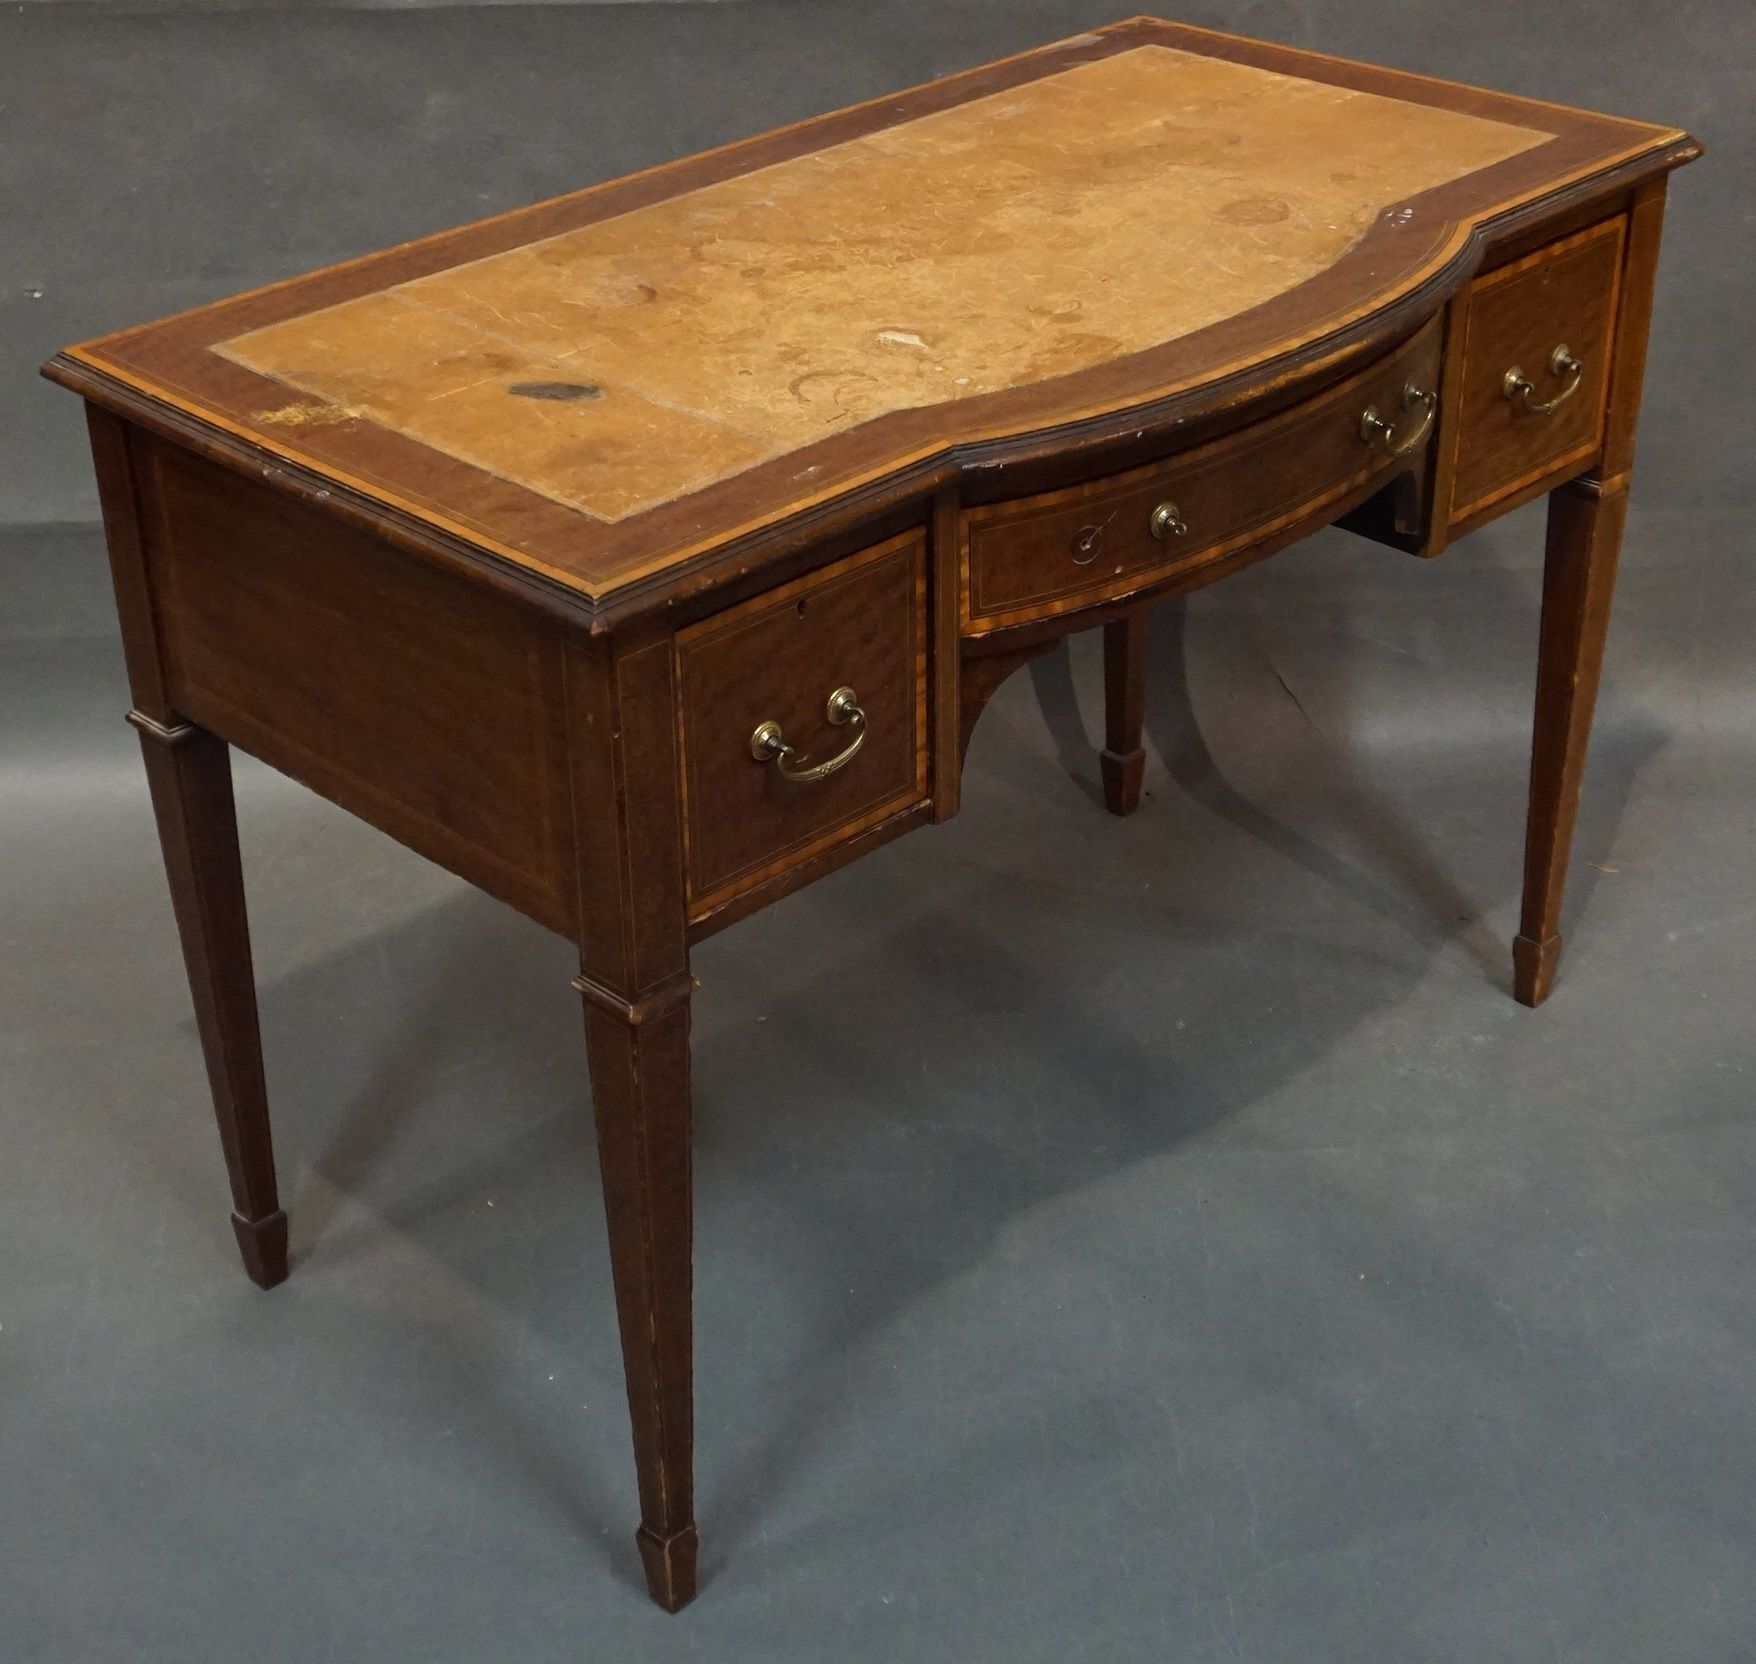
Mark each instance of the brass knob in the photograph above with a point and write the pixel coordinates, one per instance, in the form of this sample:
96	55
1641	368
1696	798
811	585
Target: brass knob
1563	366
768	744
1166	521
1391	437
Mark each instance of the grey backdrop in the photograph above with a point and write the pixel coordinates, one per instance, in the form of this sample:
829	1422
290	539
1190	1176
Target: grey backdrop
1161	1239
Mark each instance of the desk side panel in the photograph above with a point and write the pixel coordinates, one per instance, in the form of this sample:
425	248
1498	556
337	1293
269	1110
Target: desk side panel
425	704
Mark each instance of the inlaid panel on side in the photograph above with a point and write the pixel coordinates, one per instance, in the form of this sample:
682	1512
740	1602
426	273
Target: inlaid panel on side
418	700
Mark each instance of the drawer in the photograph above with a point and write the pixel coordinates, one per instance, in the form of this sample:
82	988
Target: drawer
1534	368
780	659
1044	555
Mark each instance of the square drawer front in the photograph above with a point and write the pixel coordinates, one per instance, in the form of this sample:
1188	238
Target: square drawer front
781	659
1534	367
1037	556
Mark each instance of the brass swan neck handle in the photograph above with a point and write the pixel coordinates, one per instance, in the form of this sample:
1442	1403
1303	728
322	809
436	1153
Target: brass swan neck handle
767	744
1518	387
1395	438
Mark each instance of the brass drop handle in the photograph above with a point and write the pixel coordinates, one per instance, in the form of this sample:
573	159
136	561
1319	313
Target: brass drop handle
1167	522
767	745
1391	437
1566	369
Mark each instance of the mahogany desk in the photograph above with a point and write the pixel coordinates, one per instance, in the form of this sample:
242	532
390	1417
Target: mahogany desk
645	554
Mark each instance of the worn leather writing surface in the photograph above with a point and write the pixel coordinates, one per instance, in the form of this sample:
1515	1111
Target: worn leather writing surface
1081	217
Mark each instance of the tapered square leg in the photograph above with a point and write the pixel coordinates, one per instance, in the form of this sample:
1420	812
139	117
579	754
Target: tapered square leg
640	1096
1123	759
634	977
190	775
1579	576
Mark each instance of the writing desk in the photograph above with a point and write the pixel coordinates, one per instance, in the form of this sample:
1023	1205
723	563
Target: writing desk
642	555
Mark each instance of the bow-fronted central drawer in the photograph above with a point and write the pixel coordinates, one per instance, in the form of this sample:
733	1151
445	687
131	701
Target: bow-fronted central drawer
1054	553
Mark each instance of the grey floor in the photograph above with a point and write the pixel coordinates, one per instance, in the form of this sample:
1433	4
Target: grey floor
1161	1239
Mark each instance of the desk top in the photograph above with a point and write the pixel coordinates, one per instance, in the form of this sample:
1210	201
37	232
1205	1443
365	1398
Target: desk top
617	390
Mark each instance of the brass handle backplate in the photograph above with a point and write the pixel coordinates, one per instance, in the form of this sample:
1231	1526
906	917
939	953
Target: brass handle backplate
767	744
1392	438
1563	366
1166	522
